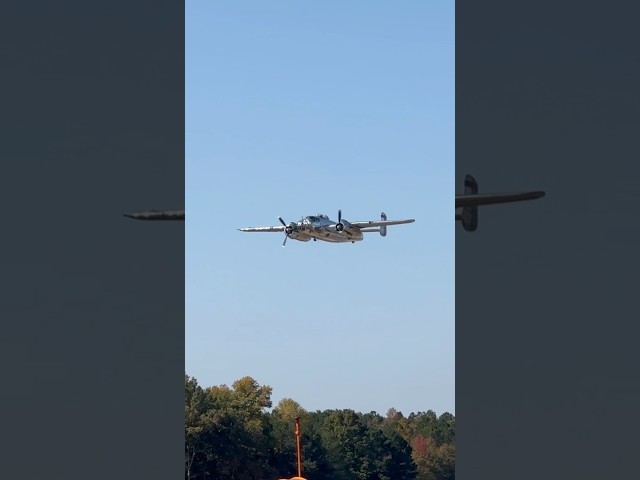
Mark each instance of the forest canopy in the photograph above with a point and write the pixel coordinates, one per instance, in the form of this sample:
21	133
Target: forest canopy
235	433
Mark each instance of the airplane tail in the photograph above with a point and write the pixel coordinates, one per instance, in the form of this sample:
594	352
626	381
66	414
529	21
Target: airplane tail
469	215
383	228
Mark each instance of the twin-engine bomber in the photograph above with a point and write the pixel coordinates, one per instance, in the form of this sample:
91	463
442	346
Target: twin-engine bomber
321	227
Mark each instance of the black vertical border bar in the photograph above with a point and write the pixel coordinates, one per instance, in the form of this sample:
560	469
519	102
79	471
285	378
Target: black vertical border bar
548	97
92	303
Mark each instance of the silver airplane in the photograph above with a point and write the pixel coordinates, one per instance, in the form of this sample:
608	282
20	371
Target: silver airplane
467	204
321	227
157	215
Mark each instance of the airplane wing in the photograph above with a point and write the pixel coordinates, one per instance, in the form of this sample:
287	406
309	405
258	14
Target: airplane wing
473	200
278	228
157	215
380	223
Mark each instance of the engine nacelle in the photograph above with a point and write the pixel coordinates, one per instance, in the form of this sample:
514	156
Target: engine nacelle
340	227
299	235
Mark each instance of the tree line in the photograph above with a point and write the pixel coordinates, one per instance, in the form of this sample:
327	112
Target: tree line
233	433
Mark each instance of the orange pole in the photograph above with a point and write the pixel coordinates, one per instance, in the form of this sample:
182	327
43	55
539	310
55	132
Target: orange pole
298	446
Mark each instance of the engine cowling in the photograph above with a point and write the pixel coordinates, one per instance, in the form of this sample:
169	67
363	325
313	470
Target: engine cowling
299	234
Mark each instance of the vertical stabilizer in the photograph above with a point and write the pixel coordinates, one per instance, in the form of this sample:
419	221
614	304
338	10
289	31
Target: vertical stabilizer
383	228
469	217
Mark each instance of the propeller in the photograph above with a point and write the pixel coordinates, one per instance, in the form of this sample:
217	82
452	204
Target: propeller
339	225
288	229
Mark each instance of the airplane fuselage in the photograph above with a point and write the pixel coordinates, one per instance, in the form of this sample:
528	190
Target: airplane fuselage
321	227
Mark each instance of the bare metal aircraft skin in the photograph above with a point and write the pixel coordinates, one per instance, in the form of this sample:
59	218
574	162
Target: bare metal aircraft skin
321	227
157	215
467	204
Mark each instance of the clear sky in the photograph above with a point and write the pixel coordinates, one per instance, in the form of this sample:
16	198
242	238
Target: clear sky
295	108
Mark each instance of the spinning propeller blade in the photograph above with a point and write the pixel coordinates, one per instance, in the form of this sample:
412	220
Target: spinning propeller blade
339	225
286	235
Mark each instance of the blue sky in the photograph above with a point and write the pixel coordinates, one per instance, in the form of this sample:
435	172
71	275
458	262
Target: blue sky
297	108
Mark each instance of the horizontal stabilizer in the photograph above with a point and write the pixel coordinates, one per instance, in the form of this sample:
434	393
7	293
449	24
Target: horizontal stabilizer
381	223
471	200
496	198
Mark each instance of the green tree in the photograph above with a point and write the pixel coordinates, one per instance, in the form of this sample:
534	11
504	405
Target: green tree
283	430
196	409
233	432
357	450
424	423
445	431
